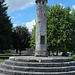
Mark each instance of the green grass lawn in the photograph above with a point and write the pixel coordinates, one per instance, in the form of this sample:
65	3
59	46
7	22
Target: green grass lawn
4	57
73	57
2	60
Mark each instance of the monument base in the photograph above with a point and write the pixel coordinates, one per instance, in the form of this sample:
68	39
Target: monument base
31	65
41	54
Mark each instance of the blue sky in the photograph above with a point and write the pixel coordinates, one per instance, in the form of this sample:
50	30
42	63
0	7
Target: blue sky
23	12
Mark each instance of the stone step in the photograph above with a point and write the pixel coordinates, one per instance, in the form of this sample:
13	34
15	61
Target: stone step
2	74
41	59
36	64
38	69
30	65
12	72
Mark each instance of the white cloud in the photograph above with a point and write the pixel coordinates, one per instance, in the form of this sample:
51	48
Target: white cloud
29	25
70	12
62	5
74	7
15	25
18	4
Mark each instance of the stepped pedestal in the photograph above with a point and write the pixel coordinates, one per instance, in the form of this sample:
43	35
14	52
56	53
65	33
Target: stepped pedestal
30	65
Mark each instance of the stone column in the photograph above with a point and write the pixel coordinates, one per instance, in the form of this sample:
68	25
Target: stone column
41	28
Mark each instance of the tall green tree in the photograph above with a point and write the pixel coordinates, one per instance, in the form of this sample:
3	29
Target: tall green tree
21	38
73	30
60	29
5	27
32	39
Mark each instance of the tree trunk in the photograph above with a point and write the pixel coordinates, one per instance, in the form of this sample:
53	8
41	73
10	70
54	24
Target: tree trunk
57	53
20	52
52	53
49	53
16	51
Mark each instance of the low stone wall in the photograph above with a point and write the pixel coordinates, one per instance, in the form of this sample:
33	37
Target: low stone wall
28	51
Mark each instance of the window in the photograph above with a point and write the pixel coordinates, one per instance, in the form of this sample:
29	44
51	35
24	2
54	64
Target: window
42	39
44	14
43	2
39	22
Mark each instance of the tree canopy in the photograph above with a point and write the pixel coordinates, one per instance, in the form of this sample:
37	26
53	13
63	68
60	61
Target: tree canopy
32	39
5	27
60	29
21	38
72	44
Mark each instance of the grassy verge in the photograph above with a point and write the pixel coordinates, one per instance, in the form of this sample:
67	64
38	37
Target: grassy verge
73	57
4	57
2	60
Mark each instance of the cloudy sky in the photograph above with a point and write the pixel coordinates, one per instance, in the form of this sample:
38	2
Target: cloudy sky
23	12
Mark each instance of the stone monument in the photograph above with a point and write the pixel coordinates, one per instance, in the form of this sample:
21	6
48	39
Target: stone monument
31	65
41	28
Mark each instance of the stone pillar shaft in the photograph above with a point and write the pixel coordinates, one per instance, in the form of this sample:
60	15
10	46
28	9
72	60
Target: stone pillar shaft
41	28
